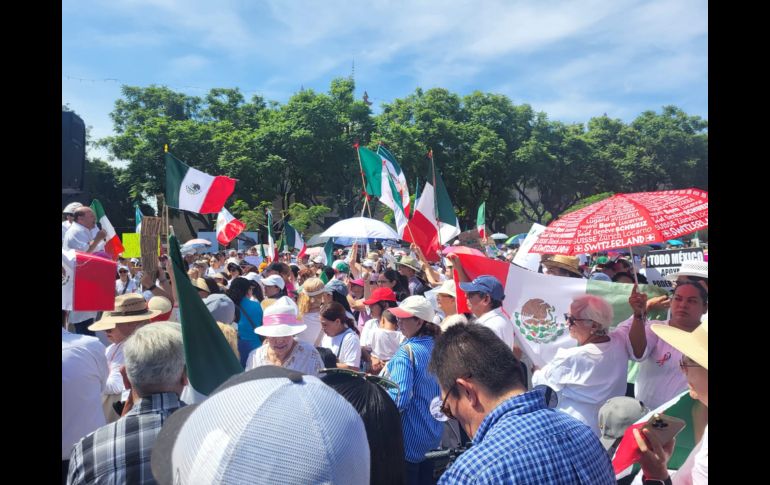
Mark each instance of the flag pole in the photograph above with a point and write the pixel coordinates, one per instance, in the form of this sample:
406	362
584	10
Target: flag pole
363	182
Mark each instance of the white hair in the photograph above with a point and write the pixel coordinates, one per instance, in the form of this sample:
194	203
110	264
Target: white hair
595	308
154	357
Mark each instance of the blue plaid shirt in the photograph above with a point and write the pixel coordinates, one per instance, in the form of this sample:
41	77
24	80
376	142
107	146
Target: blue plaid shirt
523	442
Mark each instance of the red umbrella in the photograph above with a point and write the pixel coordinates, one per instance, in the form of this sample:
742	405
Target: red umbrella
462	250
626	220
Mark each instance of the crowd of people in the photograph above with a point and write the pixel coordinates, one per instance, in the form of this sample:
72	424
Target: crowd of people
353	373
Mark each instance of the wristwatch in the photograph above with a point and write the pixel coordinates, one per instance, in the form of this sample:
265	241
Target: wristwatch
656	481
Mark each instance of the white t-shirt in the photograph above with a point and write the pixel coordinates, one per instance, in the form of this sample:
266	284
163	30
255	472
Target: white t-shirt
659	379
366	333
211	272
346	346
313	333
83	374
130	287
585	377
496	321
385	343
77	237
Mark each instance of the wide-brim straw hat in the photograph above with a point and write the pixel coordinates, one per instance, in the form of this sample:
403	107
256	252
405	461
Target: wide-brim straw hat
128	308
567	263
280	320
410	262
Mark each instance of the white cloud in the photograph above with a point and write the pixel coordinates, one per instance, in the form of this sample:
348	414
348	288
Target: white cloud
188	63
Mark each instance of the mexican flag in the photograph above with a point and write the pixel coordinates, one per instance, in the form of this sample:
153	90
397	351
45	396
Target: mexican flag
87	281
536	303
210	360
480	226
273	256
112	243
448	224
192	190
328	257
422	229
294	239
683	407
228	227
138	219
386	180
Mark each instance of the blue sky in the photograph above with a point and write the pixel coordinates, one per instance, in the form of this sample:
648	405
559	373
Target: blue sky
572	59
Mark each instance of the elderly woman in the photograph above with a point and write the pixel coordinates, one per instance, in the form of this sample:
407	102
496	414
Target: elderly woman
418	390
279	326
585	376
694	364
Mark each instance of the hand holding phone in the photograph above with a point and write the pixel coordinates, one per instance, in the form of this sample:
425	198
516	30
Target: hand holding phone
665	428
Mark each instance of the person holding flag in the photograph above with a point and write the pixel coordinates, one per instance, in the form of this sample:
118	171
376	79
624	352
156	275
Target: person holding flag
83	234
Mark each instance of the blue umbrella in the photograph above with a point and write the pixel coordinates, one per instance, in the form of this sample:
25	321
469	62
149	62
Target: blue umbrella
675	242
517	239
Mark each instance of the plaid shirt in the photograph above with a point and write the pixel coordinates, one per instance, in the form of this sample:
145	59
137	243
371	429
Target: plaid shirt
523	442
120	452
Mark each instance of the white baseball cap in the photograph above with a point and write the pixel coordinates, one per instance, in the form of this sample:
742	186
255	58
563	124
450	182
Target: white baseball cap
274	280
414	306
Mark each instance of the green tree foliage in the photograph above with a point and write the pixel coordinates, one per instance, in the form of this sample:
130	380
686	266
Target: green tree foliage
298	158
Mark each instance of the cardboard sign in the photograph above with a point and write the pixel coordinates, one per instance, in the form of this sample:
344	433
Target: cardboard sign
523	257
667	261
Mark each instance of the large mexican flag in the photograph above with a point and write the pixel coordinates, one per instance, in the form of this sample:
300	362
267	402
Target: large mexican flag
192	190
536	303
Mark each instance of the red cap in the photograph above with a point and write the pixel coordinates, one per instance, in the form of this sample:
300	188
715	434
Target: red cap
381	294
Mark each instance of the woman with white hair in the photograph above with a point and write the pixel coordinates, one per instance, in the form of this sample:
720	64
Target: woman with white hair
586	376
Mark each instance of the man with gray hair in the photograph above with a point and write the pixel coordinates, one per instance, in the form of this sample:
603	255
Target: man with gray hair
586	376
155	371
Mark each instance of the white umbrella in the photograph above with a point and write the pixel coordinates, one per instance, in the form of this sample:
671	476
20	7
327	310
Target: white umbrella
360	228
499	235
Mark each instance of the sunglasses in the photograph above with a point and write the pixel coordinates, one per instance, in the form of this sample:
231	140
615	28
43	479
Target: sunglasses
445	405
383	382
571	320
123	271
687	362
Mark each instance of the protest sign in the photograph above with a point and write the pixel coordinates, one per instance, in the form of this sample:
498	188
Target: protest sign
243	245
131	245
523	257
667	261
471	239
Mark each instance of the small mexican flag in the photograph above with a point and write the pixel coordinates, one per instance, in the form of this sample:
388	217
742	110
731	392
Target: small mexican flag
228	227
386	180
536	302
112	243
422	229
87	281
683	407
480	226
192	190
294	239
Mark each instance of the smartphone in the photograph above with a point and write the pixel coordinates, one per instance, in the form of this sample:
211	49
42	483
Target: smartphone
665	428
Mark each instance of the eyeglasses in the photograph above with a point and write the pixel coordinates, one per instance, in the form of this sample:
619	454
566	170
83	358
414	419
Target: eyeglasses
383	382
571	320
687	362
445	405
123	271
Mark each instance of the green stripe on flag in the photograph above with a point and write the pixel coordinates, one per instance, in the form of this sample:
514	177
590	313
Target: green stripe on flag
371	163
617	295
175	173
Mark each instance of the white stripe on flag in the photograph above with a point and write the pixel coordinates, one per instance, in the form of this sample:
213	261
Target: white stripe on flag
194	189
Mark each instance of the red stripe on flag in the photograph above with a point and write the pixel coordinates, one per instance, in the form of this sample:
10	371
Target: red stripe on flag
628	451
114	247
230	231
302	251
94	285
421	231
220	190
475	266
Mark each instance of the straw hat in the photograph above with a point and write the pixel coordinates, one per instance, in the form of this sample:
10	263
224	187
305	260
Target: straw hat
200	284
567	263
694	345
410	262
128	308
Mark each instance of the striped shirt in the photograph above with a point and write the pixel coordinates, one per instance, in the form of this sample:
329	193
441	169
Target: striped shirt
522	441
120	452
417	389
